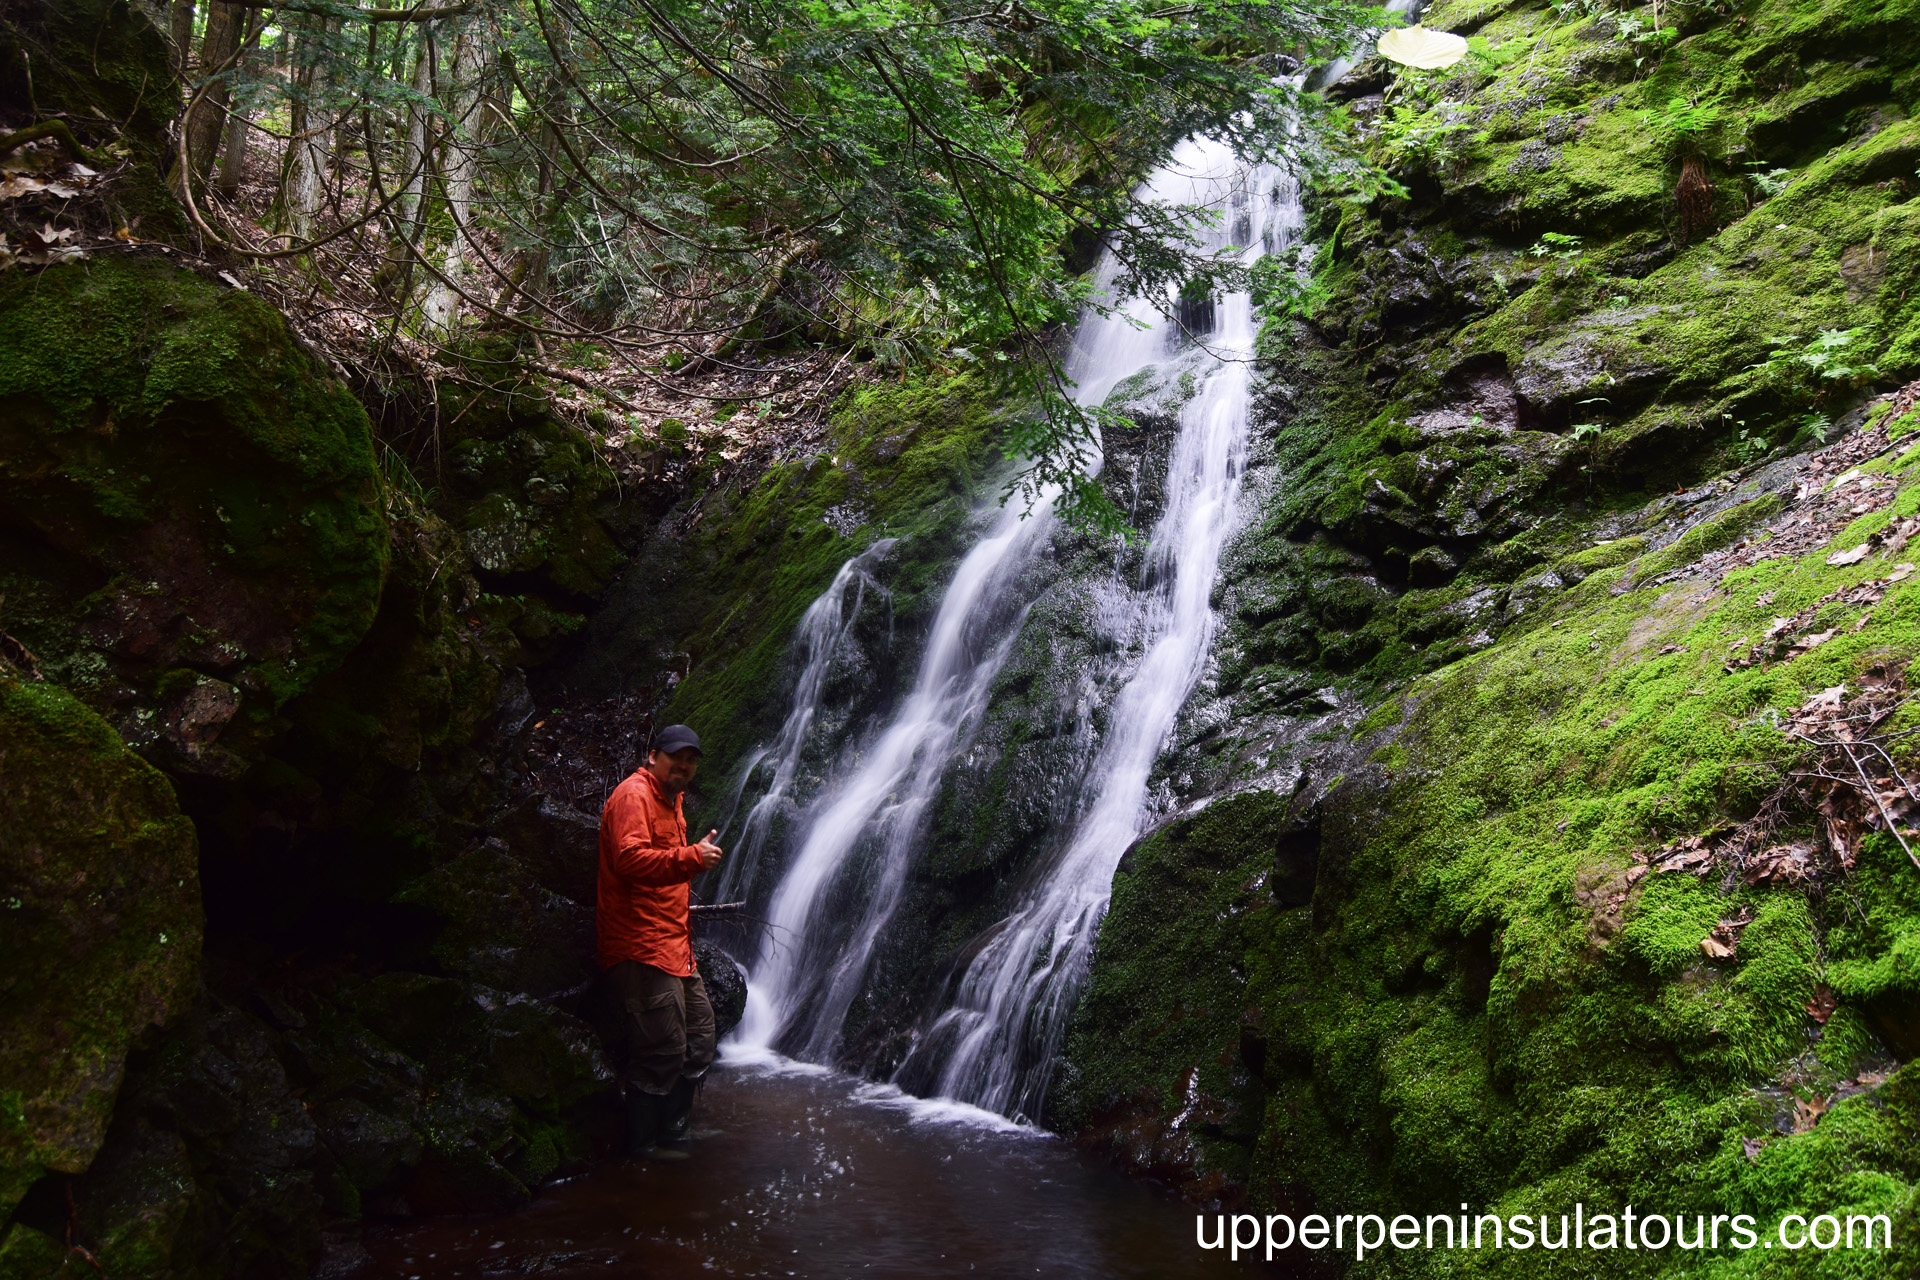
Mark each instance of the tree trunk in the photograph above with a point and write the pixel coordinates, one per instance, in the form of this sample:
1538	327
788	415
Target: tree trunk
309	151
226	23
533	281
460	170
396	275
182	36
233	154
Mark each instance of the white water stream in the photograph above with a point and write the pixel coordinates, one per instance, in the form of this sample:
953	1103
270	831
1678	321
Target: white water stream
996	1044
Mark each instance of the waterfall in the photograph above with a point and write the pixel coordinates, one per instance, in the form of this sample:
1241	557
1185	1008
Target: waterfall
818	643
1336	71
854	844
856	841
996	1045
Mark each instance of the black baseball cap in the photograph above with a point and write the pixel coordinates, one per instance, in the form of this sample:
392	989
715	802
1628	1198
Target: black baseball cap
676	737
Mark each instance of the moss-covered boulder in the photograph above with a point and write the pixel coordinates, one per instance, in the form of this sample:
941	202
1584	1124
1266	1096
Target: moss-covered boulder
194	525
100	895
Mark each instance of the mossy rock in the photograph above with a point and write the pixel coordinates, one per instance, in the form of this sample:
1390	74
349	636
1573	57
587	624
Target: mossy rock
195	526
100	889
106	67
708	609
1477	1001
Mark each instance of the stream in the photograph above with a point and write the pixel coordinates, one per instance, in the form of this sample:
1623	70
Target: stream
821	1174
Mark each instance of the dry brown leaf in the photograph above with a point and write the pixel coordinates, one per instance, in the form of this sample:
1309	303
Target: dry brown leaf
1821	1007
1855	556
1781	864
1751	1148
1807	1112
1724	939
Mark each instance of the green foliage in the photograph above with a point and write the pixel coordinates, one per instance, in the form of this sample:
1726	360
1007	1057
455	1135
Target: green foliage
1489	57
908	172
1817	365
1419	127
1684	123
1556	244
1748	446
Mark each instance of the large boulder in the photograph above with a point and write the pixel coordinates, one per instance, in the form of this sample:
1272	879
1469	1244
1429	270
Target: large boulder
193	524
101	899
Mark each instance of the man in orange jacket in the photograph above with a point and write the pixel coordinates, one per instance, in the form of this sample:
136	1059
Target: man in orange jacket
645	947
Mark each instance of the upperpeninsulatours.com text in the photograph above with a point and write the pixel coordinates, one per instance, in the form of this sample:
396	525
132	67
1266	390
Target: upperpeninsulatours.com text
1247	1233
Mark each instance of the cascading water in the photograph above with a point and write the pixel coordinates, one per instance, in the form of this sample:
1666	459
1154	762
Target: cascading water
855	843
997	1043
1336	71
818	644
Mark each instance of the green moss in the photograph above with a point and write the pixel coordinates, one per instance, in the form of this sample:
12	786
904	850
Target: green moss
1481	1004
183	462
102	924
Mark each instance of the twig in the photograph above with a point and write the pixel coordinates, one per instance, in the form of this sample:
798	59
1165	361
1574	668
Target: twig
1892	827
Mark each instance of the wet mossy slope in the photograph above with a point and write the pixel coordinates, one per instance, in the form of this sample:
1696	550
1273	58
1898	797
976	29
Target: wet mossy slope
1549	445
1626	261
1479	997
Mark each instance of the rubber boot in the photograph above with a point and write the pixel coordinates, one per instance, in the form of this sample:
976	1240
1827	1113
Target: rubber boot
661	1144
642	1123
676	1117
679	1114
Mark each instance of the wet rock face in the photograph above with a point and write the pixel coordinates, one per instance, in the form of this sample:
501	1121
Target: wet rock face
258	1118
726	986
99	924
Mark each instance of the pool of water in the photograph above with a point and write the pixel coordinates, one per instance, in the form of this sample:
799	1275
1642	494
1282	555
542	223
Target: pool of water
817	1174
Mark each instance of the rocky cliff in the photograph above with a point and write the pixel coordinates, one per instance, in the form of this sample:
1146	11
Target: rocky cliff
1522	857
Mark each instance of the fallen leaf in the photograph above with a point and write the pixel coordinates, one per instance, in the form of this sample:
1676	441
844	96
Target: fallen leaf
1807	1112
1715	949
1821	1007
1900	572
1674	648
1751	1147
1832	697
1782	864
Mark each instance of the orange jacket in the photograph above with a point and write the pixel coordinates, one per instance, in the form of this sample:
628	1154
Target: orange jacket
645	866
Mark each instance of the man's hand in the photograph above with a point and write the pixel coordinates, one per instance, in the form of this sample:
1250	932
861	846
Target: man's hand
709	851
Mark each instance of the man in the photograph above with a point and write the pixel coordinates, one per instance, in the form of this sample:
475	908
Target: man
645	947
